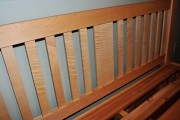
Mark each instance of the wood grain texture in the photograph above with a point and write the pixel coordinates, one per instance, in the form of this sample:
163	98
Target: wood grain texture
25	31
55	70
152	104
71	64
138	40
16	81
120	47
164	33
129	44
145	39
172	113
85	59
101	92
4	115
103	40
123	113
152	36
37	76
158	35
113	105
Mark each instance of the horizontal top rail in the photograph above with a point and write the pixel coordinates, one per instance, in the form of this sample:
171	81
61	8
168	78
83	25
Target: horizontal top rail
16	33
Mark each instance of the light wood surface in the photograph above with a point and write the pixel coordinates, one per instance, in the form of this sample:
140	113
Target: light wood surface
145	39
138	39
158	34
25	31
37	76
16	82
120	24
55	70
152	36
152	104
4	115
103	40
101	92
69	47
129	44
85	59
172	113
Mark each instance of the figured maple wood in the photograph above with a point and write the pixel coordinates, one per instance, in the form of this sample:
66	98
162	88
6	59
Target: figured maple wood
85	59
129	44
152	36
101	92
120	24
138	39
4	115
25	31
71	64
37	76
172	113
158	34
156	101
16	81
103	40
145	39
112	106
55	70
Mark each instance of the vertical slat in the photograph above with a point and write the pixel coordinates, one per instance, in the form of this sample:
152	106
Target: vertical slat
103	38
85	60
4	115
164	33
37	76
145	39
138	39
71	64
55	70
120	47
158	34
16	81
129	44
152	36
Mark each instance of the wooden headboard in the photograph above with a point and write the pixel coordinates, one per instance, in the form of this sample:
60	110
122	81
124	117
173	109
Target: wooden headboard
157	18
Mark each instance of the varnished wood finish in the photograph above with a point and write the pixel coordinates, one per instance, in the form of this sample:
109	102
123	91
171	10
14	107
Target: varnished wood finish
145	39
101	92
55	70
152	36
85	60
138	39
103	40
129	44
123	113
158	34
37	77
25	31
4	115
16	81
71	64
120	47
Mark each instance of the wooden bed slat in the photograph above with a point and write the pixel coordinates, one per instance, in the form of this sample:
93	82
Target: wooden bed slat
55	70
138	39
37	76
145	39
71	64
34	29
129	44
152	36
158	34
85	60
103	40
120	47
16	81
4	115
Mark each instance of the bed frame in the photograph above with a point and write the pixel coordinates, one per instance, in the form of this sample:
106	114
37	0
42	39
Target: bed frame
158	51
